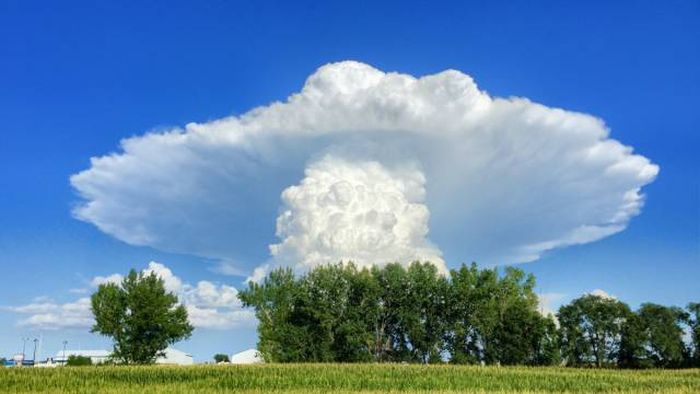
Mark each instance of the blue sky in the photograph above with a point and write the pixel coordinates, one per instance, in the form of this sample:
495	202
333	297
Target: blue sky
76	79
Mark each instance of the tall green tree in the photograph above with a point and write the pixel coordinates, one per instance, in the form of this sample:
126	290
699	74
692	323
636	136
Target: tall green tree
663	334
466	306
545	342
494	319
632	352
517	319
694	323
653	337
355	335
327	315
281	335
591	329
343	303
425	313
140	316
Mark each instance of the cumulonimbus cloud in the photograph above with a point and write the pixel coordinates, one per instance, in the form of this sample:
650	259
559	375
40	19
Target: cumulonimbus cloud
365	162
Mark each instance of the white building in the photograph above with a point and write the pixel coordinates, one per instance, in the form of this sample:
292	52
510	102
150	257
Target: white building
172	356
175	357
96	356
250	356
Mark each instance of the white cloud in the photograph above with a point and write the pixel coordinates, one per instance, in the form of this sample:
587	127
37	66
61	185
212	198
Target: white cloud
171	282
360	211
602	294
217	319
502	180
209	305
549	303
100	280
52	316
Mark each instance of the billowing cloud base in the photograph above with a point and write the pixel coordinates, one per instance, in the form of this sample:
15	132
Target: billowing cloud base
364	162
354	210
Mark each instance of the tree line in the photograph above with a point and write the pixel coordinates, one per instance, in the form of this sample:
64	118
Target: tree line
340	313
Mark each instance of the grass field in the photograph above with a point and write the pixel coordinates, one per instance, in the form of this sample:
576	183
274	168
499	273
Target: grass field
322	378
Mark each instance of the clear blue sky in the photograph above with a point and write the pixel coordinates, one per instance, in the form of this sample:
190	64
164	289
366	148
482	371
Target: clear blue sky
77	78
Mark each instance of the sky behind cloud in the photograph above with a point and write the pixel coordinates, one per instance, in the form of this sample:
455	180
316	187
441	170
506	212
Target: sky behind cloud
178	78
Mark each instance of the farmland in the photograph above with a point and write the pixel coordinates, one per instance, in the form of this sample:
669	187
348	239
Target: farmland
320	378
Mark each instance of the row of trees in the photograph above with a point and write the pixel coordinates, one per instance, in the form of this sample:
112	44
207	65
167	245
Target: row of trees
339	313
603	331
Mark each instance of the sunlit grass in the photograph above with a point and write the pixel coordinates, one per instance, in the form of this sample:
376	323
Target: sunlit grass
345	378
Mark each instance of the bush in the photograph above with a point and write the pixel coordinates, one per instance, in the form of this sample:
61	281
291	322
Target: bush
221	358
78	361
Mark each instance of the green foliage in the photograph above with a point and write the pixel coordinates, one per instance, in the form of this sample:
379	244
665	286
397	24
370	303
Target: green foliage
494	320
632	351
344	378
140	316
327	315
653	337
221	358
78	361
591	330
337	313
694	323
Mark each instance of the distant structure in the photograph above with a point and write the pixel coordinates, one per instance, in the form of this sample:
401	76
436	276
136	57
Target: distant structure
250	356
96	356
175	357
171	357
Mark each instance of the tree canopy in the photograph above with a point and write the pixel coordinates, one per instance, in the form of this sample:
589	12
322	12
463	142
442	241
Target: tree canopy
221	358
591	329
414	314
140	316
341	313
78	361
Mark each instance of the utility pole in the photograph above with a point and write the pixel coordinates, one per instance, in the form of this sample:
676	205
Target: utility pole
34	358
64	351
24	346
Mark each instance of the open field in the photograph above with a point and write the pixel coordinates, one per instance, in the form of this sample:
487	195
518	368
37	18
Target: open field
320	378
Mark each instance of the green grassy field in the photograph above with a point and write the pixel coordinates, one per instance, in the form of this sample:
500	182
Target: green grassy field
321	378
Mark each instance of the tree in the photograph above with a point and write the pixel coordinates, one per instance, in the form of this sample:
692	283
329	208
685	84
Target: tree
653	337
424	312
694	323
591	329
221	358
632	344
281	337
339	313
664	334
517	321
494	320
546	342
140	316
329	314
466	302
78	361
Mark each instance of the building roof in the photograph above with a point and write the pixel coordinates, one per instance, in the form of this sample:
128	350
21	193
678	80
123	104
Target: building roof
84	353
250	356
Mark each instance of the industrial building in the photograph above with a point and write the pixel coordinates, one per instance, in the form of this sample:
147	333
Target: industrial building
96	356
172	356
175	357
250	356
